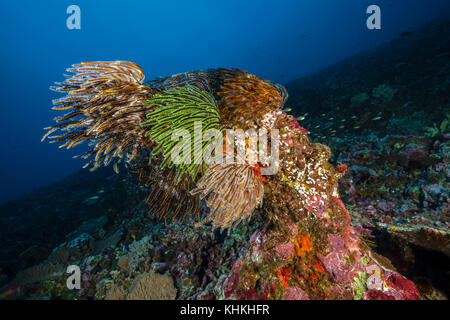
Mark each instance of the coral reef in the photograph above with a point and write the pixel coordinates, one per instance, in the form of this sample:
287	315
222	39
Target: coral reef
393	135
305	249
147	286
179	109
233	199
185	111
300	240
319	254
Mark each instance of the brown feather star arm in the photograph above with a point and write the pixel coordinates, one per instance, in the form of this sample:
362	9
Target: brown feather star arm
105	100
245	98
167	199
199	79
232	192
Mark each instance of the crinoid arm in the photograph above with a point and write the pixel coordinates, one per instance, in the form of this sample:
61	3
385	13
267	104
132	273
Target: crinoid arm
176	111
124	119
166	199
199	79
232	192
245	98
105	103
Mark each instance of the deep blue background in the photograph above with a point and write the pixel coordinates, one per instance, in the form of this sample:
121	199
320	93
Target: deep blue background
167	37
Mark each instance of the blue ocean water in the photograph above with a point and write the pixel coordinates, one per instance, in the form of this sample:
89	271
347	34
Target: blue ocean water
280	40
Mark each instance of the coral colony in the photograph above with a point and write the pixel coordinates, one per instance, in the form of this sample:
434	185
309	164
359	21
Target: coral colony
174	134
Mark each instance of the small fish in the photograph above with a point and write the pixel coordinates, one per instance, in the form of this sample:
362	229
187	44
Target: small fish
323	115
287	109
303	36
354	117
356	127
376	118
301	118
341	127
405	34
331	119
93	198
318	126
306	114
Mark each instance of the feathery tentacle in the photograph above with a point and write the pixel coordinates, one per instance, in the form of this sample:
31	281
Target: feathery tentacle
106	101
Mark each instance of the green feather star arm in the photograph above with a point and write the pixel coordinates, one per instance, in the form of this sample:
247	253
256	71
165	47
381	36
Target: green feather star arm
180	110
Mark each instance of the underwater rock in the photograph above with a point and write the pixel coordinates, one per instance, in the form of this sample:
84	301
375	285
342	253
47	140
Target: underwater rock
404	209
294	293
415	153
426	237
305	249
44	271
326	258
309	244
148	286
73	250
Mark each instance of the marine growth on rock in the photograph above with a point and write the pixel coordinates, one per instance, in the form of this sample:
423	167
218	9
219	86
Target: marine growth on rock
204	136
